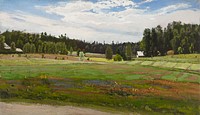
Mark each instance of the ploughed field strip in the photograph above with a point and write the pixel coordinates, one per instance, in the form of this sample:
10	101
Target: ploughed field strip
121	86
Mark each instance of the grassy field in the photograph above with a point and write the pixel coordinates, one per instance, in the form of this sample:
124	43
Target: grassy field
138	86
181	58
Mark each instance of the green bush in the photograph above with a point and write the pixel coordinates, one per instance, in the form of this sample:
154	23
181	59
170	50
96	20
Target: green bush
118	58
65	52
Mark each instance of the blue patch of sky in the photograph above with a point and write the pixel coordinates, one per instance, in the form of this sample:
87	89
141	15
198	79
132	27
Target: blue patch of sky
107	10
114	9
28	6
117	9
93	1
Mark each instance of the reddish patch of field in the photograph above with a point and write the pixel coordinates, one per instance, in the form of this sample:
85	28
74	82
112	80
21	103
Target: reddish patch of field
192	78
178	90
135	88
163	88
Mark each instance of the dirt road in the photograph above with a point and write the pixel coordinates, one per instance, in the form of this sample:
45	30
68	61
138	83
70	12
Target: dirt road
38	109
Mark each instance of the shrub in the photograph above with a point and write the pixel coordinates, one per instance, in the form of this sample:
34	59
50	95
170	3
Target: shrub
43	56
4	94
170	52
118	58
88	59
81	56
109	52
66	52
71	50
78	51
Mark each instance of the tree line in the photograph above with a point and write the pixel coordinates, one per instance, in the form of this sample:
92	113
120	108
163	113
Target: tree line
177	37
181	38
46	43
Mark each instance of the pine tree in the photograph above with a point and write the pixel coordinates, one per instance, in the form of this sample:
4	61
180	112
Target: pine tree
2	40
128	51
109	52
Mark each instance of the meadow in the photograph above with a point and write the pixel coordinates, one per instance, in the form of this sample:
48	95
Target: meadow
144	85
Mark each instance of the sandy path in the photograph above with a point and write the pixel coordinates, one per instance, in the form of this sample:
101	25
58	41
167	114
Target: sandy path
37	109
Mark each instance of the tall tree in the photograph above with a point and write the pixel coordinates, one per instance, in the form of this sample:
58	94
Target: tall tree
128	51
146	42
32	48
40	49
154	42
27	48
2	40
175	42
109	52
19	43
160	40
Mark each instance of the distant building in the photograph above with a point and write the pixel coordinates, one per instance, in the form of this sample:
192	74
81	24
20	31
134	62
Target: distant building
140	54
19	50
7	47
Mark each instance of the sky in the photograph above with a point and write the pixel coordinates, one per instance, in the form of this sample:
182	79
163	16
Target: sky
95	20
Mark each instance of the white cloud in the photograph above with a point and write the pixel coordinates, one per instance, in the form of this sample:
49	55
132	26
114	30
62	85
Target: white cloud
145	1
79	22
21	19
172	8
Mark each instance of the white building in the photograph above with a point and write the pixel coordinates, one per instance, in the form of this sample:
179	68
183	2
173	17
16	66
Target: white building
140	54
19	50
6	46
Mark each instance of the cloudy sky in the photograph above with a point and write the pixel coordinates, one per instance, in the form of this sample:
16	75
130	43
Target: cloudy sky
95	20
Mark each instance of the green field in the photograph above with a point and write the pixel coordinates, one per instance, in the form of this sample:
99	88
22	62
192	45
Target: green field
138	86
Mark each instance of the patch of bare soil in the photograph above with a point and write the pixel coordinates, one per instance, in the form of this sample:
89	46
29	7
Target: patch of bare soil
38	109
